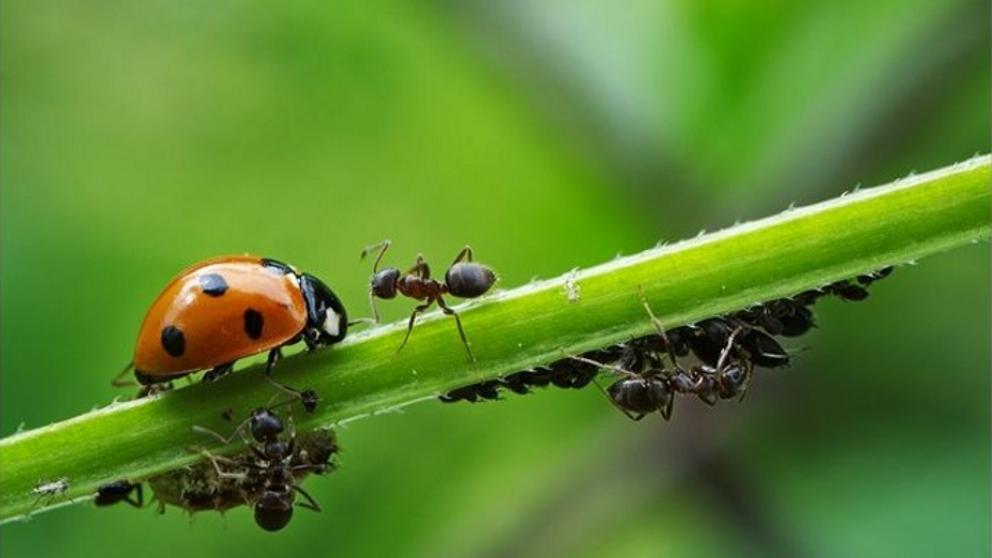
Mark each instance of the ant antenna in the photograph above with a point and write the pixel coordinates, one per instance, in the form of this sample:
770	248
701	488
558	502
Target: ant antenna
381	247
603	366
658	327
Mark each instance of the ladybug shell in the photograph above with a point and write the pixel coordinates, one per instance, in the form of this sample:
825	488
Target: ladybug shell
216	312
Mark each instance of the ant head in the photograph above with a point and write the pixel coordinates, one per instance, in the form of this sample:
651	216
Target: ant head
384	283
265	425
469	279
273	510
733	381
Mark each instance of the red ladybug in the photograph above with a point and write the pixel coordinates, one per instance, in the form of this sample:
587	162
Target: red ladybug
231	307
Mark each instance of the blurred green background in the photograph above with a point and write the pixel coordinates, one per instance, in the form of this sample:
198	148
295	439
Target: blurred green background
138	138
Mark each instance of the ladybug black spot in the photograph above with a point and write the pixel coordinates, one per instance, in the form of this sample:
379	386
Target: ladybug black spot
213	284
276	266
253	323
173	341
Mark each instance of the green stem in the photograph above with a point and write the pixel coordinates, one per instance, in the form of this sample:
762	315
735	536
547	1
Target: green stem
517	329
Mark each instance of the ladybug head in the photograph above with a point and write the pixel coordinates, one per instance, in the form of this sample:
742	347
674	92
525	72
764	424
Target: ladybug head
327	321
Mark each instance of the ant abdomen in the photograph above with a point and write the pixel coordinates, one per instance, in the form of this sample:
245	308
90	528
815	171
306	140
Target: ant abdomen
642	395
469	279
274	510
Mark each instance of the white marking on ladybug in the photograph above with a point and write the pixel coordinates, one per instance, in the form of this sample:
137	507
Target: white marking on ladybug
332	323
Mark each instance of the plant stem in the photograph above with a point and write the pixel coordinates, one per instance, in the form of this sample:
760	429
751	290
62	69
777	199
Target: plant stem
517	329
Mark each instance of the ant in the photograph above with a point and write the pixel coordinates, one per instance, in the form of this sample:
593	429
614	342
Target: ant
119	491
464	279
268	472
653	386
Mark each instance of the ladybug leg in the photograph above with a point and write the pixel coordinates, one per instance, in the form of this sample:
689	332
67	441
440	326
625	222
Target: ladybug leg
217	372
458	322
274	356
413	318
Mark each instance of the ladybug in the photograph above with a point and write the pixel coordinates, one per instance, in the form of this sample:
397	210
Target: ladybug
232	307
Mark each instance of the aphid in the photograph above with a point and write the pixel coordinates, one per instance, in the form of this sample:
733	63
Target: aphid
796	318
119	491
763	350
869	278
228	308
473	393
847	290
50	490
711	339
268	473
464	279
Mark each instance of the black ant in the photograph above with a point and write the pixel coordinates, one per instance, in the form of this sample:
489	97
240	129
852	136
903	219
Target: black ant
119	491
464	279
271	474
652	387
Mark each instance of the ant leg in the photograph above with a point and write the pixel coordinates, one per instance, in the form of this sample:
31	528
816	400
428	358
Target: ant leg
458	322
464	255
307	397
375	311
215	461
748	369
629	415
118	382
310	504
726	350
420	268
220	438
666	411
413	318
139	502
381	247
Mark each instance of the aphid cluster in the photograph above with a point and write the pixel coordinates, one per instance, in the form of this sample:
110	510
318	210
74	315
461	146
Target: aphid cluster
266	477
712	359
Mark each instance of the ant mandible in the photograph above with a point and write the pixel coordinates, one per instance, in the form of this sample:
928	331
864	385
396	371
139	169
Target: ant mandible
464	279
